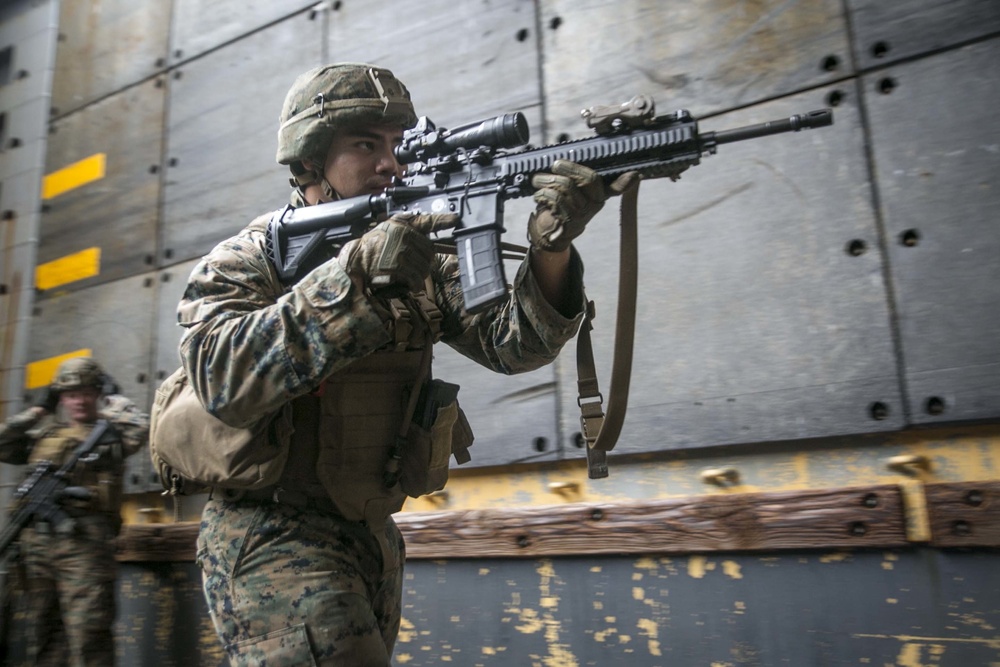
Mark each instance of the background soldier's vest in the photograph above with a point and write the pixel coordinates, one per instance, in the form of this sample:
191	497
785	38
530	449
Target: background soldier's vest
103	477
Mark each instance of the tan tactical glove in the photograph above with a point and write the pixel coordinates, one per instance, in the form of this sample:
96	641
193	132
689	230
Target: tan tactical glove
396	252
567	199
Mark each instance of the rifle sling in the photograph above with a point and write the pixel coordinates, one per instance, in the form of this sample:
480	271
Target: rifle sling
600	431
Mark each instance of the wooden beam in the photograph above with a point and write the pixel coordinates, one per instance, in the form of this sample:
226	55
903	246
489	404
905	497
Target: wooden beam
842	518
964	514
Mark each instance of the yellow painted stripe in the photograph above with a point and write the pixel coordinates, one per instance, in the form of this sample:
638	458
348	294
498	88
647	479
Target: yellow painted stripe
40	373
80	265
68	178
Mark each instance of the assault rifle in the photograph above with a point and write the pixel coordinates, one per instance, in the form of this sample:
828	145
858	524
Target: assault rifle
38	498
468	170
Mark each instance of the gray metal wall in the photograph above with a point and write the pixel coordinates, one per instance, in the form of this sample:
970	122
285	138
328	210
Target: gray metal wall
840	281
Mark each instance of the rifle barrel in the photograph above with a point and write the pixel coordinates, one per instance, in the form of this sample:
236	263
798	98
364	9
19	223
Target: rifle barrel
817	118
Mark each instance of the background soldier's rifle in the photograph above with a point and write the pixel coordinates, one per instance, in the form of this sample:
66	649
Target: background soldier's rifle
39	497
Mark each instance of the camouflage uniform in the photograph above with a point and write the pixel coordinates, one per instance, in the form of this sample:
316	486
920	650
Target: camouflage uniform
310	572
68	580
296	577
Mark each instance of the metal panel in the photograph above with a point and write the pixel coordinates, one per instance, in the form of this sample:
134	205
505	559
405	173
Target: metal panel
106	45
222	137
173	281
114	320
28	30
119	212
807	608
885	32
705	55
755	321
512	416
461	62
200	26
935	139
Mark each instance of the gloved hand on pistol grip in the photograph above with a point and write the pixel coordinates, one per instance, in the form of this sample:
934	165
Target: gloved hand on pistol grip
566	201
397	252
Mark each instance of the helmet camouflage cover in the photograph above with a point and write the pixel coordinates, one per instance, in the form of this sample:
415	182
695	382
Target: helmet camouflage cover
78	372
333	96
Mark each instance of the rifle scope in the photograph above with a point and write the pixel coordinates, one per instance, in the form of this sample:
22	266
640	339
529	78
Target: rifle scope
506	131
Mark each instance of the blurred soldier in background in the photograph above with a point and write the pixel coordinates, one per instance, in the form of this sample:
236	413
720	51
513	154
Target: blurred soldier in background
66	573
310	571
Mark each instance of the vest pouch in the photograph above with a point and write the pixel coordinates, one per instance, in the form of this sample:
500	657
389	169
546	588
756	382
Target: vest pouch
429	446
194	451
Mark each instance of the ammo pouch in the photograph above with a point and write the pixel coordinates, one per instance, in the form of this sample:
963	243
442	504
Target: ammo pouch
438	429
193	451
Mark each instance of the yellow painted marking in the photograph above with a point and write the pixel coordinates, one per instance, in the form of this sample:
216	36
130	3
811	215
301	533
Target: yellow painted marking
40	373
892	601
403	658
68	269
637	576
638	593
87	170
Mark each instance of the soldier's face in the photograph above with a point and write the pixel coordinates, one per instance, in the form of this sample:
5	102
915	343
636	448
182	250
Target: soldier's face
360	160
80	405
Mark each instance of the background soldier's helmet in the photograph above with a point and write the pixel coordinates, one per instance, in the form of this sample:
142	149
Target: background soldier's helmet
333	96
78	372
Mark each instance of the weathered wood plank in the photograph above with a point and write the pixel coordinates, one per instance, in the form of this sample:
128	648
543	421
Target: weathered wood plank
865	517
158	542
964	514
855	518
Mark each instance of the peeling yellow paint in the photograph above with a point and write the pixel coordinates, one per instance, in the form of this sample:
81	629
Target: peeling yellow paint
732	569
650	629
489	650
407	633
636	576
403	658
456	619
595	569
698	565
647	564
909	656
836	557
741	607
892	600
483	571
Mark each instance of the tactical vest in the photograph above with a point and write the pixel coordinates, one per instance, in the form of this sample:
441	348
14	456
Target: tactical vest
102	477
346	432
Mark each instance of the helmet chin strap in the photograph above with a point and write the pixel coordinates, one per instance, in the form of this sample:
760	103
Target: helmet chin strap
303	177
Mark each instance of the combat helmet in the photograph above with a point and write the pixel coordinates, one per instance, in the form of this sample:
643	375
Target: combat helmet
77	373
329	97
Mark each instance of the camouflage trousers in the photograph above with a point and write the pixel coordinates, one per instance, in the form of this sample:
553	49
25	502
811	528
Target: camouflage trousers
69	594
286	586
